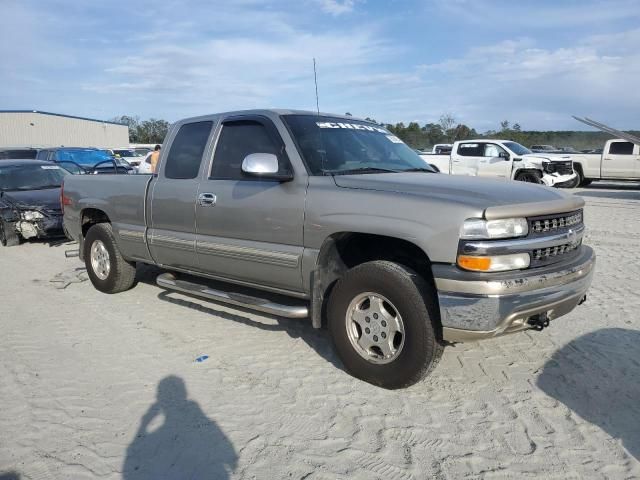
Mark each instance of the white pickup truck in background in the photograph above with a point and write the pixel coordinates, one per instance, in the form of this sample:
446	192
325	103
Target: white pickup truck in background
620	160
505	159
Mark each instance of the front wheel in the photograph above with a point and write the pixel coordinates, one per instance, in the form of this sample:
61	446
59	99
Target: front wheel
108	271
382	321
571	183
532	176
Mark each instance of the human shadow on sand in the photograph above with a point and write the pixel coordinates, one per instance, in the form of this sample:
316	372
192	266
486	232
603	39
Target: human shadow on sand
598	377
187	444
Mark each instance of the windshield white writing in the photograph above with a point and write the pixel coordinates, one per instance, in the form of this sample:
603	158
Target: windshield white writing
352	126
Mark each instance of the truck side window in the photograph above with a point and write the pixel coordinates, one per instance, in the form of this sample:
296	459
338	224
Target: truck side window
185	154
471	149
621	148
237	140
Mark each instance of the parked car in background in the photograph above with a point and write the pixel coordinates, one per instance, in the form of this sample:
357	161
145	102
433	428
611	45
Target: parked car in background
335	218
16	153
592	150
507	160
543	148
30	200
145	164
129	155
619	160
79	160
441	148
143	148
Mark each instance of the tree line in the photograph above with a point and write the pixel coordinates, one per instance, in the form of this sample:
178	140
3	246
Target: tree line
447	130
144	131
422	137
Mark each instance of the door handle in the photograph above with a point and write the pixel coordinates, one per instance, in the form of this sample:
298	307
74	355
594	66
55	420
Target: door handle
207	199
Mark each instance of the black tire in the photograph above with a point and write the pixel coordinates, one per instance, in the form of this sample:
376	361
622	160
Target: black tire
8	235
570	184
414	301
582	182
121	275
530	176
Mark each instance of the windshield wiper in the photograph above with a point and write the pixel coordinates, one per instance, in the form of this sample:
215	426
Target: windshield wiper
356	171
418	169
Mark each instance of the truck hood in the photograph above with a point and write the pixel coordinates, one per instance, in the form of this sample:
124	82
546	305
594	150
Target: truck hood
48	198
539	157
475	192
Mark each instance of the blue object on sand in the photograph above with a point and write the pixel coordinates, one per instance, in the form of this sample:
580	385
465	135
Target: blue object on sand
202	358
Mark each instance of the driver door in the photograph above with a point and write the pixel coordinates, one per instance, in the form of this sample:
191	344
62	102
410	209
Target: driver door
492	165
249	229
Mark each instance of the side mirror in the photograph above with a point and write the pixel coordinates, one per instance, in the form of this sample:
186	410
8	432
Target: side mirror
504	156
264	165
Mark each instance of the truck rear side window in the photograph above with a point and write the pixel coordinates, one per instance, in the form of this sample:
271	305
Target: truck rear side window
471	149
185	155
237	140
621	148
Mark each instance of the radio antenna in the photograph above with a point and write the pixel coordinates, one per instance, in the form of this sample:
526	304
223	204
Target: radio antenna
315	79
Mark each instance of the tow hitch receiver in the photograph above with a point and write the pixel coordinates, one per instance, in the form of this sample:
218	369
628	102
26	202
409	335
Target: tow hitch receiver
539	322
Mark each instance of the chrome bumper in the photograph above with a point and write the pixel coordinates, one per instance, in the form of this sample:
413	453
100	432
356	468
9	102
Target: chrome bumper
473	308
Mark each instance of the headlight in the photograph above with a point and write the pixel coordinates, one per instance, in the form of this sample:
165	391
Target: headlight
496	263
479	229
31	215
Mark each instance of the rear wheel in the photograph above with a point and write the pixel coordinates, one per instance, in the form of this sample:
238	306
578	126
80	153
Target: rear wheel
582	182
382	321
8	235
530	176
108	271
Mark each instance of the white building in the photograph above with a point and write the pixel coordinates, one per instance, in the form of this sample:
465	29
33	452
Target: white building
31	128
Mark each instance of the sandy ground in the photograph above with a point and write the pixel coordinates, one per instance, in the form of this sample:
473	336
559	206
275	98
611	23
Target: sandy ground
96	386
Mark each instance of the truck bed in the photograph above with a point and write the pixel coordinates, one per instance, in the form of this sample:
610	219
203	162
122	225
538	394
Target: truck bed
121	197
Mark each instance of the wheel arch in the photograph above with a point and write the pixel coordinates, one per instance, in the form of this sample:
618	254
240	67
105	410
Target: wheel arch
525	170
89	217
344	250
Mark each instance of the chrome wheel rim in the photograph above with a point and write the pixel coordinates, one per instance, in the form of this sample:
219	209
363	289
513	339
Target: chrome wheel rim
375	328
100	262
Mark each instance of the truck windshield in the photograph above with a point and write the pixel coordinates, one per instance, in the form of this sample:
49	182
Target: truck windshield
31	177
517	148
344	146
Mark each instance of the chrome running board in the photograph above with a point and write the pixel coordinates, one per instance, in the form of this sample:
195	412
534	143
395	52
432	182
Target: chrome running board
265	305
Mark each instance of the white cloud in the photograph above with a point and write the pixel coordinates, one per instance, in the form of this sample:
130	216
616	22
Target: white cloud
176	59
508	14
337	7
535	86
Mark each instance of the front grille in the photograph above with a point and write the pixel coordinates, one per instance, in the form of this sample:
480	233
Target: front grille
564	167
555	223
546	256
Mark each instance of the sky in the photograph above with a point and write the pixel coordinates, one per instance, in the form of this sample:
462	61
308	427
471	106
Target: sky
482	61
